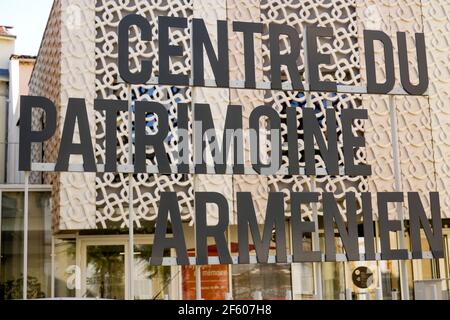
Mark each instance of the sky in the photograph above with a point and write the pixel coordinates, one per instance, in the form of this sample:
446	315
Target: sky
29	19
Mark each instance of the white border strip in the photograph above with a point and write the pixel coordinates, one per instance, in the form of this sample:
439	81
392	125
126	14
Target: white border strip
286	86
79	168
340	257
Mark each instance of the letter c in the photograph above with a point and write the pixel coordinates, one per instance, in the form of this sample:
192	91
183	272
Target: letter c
144	75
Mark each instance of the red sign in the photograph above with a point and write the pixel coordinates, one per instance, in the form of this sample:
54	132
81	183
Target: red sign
214	280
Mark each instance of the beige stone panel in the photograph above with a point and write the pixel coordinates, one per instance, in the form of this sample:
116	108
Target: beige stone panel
289	184
112	189
414	124
248	11
413	113
374	15
215	183
210	11
243	11
77	191
256	184
45	81
341	16
219	100
437	35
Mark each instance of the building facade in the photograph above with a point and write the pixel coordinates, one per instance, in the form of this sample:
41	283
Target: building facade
15	73
91	212
7	43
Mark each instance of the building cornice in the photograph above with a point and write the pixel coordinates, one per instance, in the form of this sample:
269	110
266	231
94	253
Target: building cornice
23	58
8	37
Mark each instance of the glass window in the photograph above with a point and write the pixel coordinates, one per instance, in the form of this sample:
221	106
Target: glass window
39	248
333	280
270	282
105	272
150	282
67	273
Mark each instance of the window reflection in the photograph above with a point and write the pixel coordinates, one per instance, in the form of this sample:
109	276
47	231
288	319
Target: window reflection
39	245
105	272
67	274
150	282
272	281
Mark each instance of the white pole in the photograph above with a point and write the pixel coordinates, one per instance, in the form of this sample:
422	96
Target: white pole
52	277
316	246
398	186
198	283
379	289
257	295
198	270
315	235
348	294
130	194
289	295
25	238
378	294
131	237
394	295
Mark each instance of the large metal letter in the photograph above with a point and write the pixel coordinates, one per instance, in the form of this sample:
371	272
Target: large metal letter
219	63
387	226
422	86
348	234
372	85
369	237
166	51
183	138
312	129
351	142
300	227
249	29
203	231
289	60
274	123
76	112
232	135
168	205
292	127
274	220
111	109
143	108
144	75
27	135
418	217
315	59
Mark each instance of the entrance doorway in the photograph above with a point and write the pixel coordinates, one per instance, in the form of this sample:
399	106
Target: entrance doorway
105	271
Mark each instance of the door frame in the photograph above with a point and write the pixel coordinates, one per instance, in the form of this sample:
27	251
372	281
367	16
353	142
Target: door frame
83	242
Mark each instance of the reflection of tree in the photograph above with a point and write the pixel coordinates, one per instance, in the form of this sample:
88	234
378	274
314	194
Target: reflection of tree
71	250
154	273
108	264
12	289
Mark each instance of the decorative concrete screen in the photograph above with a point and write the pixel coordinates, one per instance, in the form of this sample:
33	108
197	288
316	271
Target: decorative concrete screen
87	43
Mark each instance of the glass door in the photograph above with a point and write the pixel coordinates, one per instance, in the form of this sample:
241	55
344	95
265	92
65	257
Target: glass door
104	270
150	282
